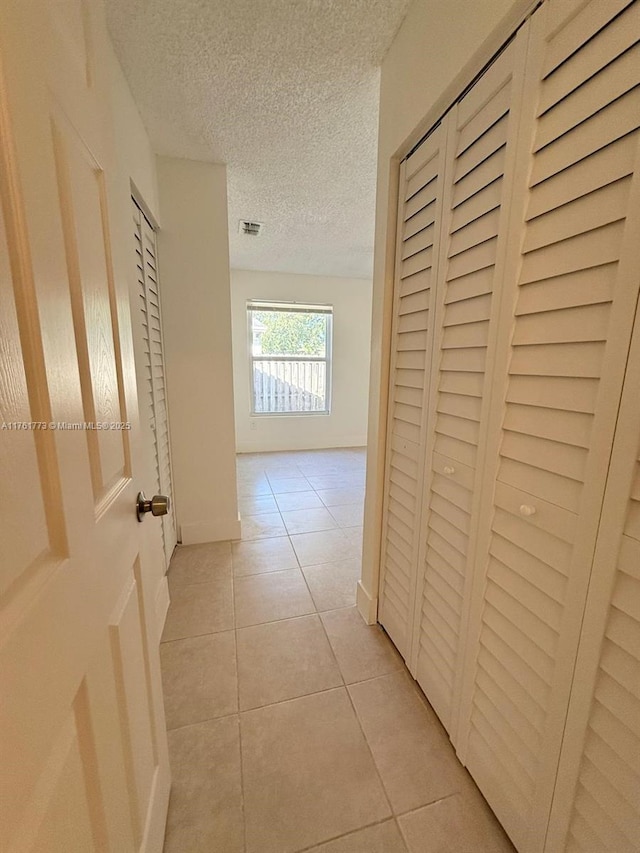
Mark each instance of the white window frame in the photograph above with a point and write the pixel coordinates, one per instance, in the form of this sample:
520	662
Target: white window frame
293	307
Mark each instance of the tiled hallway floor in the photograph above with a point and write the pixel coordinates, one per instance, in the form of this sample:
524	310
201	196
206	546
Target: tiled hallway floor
293	726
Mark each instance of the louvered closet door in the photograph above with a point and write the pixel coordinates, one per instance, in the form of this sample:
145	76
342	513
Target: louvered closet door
419	210
597	802
479	174
578	282
153	403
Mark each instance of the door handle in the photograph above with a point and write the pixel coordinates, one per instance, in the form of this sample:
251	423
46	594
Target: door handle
158	505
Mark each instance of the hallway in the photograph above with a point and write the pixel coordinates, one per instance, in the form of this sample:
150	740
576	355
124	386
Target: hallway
293	726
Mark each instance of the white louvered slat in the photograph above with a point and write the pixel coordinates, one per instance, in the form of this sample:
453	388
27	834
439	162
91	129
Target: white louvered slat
597	806
154	401
480	167
563	369
633	520
412	335
609	772
146	402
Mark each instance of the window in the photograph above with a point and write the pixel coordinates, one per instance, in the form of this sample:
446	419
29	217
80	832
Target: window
290	351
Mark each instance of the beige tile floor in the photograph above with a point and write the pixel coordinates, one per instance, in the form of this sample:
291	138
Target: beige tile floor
292	725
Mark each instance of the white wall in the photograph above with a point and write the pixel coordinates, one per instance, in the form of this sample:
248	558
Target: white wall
193	250
439	48
136	160
346	425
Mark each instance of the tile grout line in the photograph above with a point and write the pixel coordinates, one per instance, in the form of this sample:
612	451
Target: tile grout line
428	805
205	720
347	834
373	758
258	707
280	535
355	712
196	636
404	841
313	601
345	684
235	635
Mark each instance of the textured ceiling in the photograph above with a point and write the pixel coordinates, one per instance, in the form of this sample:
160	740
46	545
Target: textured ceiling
285	92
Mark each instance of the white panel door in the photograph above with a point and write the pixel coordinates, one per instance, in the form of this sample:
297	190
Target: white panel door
152	385
418	240
84	761
479	177
577	290
597	801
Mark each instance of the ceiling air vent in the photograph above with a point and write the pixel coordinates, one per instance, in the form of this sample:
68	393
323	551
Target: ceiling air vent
248	226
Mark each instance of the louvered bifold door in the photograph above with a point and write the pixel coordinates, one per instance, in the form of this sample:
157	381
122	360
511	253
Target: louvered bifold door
418	234
597	803
577	287
479	175
153	402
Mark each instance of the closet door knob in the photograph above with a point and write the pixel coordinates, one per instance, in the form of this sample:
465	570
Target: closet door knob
449	469
527	510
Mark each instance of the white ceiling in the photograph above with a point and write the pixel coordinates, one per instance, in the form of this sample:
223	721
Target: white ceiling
285	92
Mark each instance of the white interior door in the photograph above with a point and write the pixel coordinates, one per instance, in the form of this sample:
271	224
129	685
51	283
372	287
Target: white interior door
569	341
84	763
418	241
151	383
478	187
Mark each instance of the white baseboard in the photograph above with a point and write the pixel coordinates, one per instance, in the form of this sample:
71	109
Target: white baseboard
367	606
218	530
265	445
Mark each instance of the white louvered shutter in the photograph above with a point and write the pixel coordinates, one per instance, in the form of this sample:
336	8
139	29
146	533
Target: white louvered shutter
597	803
146	403
153	405
577	288
478	182
420	206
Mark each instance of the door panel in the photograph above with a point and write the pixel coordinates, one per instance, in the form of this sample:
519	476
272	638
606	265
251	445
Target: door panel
132	684
22	449
81	716
479	175
84	217
412	336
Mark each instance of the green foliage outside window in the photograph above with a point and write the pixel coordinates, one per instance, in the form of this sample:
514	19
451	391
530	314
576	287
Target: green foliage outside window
292	333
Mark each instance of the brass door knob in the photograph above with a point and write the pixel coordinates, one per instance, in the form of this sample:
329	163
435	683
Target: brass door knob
158	505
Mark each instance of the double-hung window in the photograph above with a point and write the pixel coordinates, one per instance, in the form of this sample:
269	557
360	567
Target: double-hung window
290	355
